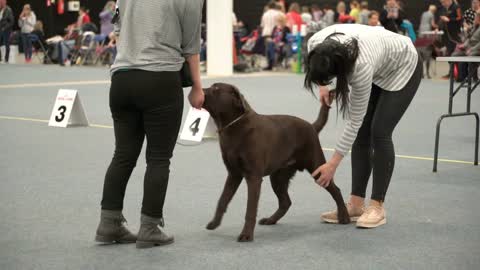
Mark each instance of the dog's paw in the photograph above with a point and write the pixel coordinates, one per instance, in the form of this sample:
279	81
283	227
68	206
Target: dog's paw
267	221
212	225
245	237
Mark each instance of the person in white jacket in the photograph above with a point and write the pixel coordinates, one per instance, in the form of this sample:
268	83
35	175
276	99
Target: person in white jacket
377	74
26	22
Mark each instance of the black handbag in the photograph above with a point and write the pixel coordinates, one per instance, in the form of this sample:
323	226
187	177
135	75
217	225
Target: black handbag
186	76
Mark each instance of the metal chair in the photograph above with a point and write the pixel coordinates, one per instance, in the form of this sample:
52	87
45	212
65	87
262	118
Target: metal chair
36	40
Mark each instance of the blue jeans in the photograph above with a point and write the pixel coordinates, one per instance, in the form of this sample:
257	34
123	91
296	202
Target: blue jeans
5	40
64	48
27	45
271	54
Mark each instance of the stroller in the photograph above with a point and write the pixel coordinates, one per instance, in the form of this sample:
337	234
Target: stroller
252	52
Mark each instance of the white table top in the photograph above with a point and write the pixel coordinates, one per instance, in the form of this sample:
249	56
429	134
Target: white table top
432	33
460	59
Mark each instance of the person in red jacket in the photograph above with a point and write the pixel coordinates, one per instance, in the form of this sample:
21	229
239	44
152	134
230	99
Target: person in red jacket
294	17
83	17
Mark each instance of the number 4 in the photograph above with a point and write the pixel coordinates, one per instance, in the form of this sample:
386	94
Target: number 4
194	126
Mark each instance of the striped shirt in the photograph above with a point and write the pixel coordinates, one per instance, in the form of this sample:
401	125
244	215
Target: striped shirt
156	35
385	59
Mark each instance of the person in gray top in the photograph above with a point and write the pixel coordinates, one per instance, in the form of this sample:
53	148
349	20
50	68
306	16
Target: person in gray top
155	38
427	22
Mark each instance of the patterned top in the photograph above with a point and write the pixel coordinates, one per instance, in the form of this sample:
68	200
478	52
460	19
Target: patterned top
469	16
156	35
385	59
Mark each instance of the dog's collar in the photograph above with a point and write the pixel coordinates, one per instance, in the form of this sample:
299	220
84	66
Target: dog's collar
220	130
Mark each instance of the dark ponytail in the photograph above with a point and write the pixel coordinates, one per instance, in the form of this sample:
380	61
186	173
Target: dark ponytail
331	59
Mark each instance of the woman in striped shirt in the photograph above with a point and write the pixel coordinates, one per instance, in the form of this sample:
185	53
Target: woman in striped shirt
384	72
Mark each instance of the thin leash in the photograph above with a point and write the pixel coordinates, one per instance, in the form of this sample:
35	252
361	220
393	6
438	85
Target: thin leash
218	132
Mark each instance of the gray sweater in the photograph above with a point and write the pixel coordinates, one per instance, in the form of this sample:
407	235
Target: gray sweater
156	35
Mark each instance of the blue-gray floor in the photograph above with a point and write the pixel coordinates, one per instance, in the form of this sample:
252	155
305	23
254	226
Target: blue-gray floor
51	181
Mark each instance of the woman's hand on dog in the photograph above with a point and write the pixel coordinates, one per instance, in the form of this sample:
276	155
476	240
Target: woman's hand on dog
327	170
325	96
196	97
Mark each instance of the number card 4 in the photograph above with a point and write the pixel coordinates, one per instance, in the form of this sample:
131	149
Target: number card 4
195	125
68	110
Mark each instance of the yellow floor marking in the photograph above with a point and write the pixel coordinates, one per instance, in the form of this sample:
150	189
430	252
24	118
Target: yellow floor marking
103	82
51	84
325	149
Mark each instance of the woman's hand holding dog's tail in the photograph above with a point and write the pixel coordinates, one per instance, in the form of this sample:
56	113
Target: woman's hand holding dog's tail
325	96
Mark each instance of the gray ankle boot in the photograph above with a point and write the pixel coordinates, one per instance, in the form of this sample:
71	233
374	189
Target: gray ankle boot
150	234
112	228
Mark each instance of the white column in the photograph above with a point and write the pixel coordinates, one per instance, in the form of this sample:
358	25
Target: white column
219	37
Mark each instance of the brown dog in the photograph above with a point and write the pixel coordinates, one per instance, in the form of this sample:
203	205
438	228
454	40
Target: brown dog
255	145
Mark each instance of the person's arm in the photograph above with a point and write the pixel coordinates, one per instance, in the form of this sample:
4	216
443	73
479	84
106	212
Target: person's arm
21	22
10	18
361	84
191	45
117	21
31	20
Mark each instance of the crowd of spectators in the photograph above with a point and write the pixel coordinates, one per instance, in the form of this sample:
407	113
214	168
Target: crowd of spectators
448	29
81	42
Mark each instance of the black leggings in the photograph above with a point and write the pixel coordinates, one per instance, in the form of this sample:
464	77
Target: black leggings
373	147
150	104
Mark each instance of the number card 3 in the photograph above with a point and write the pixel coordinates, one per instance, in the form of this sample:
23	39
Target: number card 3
195	125
68	110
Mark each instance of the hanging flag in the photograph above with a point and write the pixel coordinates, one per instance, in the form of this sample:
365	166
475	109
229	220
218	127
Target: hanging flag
60	7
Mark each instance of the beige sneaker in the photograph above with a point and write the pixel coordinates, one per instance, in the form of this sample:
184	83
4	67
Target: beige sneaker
353	212
373	217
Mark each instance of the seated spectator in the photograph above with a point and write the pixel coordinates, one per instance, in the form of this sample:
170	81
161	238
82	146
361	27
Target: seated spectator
471	47
83	17
111	48
355	10
39	32
342	16
374	18
392	17
364	13
26	22
469	17
306	15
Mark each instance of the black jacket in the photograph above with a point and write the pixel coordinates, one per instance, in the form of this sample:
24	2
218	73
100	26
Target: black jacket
7	21
393	25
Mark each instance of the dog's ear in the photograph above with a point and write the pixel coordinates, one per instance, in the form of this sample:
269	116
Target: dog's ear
240	100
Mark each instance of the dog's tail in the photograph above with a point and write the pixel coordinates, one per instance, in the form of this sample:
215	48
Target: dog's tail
323	115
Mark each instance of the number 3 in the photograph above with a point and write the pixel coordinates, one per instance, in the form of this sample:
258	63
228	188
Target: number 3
62	110
194	126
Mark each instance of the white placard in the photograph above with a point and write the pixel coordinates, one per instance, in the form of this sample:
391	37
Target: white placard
303	30
195	125
73	6
68	110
